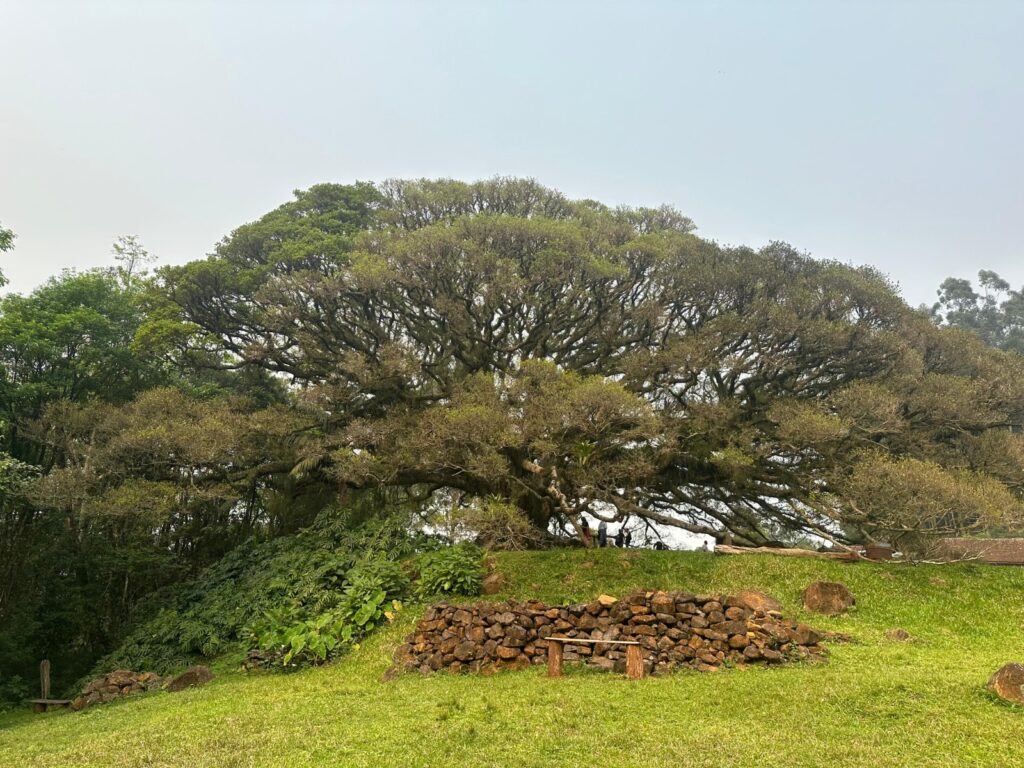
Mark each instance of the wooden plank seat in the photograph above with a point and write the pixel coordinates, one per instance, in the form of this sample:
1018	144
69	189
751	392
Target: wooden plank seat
44	705
634	654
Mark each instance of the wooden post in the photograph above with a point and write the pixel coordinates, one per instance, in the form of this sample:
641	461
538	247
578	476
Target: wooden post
634	662
44	678
554	659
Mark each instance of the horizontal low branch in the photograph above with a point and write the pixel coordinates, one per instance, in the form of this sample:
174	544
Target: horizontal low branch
849	556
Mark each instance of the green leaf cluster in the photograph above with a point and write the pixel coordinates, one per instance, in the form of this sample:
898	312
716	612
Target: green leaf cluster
456	570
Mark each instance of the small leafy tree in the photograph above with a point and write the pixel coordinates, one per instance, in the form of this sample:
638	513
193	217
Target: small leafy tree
491	522
132	259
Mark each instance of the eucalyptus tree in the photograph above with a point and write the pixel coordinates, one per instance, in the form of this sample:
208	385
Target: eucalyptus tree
994	311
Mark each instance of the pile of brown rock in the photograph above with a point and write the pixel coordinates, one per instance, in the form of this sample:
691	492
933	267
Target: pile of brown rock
120	682
124	682
675	629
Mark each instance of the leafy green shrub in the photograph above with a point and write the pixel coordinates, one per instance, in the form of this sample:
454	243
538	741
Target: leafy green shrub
290	640
457	570
301	577
370	598
13	690
371	575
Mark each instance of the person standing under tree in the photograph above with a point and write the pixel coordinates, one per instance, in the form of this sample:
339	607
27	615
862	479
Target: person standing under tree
619	538
602	534
629	538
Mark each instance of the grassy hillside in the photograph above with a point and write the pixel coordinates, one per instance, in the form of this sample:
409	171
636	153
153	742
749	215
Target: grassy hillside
876	703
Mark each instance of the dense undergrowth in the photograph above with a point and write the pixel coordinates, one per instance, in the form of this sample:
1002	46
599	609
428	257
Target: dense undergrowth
298	599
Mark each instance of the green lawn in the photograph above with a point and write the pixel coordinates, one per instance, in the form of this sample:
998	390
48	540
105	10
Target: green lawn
876	703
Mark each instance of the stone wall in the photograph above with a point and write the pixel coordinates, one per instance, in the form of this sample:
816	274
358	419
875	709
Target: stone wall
675	629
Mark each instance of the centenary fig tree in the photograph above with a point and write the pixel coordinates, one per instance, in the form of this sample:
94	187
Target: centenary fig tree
498	341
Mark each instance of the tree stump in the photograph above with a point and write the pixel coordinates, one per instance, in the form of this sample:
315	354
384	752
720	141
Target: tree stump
634	662
554	659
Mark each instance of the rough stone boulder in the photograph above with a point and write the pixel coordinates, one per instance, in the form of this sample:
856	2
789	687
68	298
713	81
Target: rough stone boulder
758	601
191	677
492	584
1008	683
828	597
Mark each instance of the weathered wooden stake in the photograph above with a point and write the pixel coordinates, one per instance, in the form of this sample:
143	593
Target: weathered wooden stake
44	678
554	659
634	662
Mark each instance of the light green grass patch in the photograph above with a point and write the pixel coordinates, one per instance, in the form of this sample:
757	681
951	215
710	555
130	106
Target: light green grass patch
876	703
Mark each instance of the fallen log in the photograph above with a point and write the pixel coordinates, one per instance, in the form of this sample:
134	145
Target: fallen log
846	557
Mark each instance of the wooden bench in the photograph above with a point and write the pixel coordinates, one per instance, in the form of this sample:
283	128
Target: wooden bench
634	655
44	703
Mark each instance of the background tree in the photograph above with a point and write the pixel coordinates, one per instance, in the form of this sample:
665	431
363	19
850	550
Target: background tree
6	244
68	341
994	311
71	569
120	472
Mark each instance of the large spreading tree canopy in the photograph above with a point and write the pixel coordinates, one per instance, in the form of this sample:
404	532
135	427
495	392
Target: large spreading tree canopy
497	340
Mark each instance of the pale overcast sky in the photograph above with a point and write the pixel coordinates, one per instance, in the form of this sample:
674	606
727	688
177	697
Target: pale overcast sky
883	133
